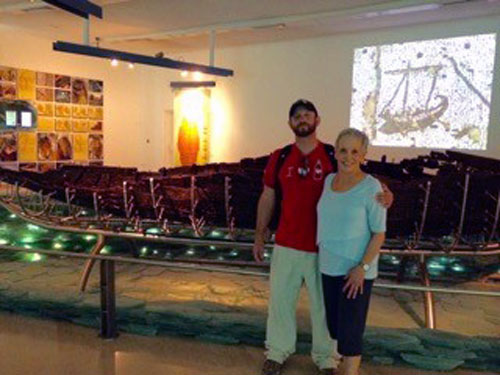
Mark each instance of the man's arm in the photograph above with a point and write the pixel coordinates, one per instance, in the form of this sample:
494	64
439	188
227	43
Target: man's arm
265	211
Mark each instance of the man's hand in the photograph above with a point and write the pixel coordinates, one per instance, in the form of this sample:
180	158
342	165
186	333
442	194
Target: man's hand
385	198
259	244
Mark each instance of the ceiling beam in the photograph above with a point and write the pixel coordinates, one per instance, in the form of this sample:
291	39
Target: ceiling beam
82	8
162	62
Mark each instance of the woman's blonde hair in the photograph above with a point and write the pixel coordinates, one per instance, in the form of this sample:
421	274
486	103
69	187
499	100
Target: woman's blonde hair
354	133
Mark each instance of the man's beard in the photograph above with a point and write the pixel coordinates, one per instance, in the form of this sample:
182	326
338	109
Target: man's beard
304	131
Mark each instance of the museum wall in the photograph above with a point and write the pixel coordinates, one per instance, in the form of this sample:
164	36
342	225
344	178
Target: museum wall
249	110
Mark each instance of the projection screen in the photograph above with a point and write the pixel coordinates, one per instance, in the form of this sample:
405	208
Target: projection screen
429	94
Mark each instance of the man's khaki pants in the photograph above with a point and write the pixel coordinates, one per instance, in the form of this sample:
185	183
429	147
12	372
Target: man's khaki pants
289	270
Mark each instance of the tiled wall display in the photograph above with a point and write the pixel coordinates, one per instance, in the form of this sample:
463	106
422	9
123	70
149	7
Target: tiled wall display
48	120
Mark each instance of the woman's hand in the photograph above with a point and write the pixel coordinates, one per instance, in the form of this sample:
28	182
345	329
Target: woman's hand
354	285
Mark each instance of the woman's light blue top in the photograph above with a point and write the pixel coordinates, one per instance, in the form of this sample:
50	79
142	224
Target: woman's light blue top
346	221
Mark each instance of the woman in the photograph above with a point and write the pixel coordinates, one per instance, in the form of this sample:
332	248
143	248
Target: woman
351	230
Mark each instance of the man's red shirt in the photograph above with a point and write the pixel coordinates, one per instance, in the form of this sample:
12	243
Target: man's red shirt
300	195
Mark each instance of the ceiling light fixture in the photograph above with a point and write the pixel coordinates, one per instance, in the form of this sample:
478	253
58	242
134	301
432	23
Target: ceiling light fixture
114	62
82	49
191	84
197	76
404	10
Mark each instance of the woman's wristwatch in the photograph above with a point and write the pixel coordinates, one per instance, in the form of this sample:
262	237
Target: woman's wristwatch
364	266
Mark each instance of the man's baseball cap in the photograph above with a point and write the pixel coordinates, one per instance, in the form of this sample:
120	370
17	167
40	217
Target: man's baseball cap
302	103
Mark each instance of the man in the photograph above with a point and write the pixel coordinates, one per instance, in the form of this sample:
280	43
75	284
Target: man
299	182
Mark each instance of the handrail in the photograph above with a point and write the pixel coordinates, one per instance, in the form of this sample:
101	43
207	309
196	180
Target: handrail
197	267
493	249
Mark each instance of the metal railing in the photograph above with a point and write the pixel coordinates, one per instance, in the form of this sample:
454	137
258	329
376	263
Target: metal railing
108	325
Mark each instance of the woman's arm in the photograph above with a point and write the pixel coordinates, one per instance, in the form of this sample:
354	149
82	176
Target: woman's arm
356	276
373	248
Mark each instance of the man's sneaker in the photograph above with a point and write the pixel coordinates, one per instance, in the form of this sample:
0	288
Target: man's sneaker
271	367
328	371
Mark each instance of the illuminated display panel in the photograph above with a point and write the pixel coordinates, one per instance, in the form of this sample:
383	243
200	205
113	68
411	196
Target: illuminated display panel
11	118
430	94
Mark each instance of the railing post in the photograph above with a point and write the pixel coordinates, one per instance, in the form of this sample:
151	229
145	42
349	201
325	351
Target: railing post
430	311
108	303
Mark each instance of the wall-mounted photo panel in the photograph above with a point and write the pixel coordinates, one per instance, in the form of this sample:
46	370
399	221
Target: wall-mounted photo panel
8	146
26	84
80	91
62	82
8	90
27	146
95	86
8	74
96	113
80	126
95	147
64	147
63	110
63	124
45	79
63	96
46	120
95	126
45	109
80	111
45	94
96	99
47	146
46	124
80	147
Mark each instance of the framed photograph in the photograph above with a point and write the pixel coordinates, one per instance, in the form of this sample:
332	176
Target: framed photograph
8	146
63	110
63	82
47	146
79	91
8	90
95	85
45	94
8	74
95	147
96	99
64	147
44	79
63	96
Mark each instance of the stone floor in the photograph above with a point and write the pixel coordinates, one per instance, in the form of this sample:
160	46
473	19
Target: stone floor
226	309
32	346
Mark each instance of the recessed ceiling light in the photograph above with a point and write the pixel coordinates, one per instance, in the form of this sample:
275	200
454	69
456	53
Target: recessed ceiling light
404	10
